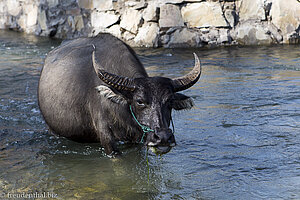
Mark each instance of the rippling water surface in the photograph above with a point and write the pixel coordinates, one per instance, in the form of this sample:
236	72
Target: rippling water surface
241	141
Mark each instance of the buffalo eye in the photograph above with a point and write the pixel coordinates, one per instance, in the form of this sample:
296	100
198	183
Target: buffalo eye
140	103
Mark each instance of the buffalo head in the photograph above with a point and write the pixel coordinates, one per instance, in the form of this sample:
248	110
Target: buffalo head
150	101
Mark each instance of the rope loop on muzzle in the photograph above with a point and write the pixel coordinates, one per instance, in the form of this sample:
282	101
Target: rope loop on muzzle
144	128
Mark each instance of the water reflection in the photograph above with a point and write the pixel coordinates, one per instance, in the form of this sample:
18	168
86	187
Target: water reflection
90	175
240	141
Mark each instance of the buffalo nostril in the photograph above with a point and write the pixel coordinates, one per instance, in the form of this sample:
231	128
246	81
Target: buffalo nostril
164	137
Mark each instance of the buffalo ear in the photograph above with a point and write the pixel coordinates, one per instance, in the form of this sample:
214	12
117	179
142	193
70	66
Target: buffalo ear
108	93
181	102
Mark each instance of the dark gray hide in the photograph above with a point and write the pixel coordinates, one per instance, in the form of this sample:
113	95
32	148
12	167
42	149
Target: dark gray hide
87	85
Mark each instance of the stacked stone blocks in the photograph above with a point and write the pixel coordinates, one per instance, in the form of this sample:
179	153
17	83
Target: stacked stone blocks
159	23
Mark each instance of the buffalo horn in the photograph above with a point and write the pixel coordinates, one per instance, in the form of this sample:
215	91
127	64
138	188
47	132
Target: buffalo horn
118	82
184	82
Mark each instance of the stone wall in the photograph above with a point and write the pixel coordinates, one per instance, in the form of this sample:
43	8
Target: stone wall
156	23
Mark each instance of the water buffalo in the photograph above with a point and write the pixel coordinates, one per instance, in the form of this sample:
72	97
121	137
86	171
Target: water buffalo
97	90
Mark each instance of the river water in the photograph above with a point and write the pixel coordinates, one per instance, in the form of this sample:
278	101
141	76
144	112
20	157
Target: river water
241	141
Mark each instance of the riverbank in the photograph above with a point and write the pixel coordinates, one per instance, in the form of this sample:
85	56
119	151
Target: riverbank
159	23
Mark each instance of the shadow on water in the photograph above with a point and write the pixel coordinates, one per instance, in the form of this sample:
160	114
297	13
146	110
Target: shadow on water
240	141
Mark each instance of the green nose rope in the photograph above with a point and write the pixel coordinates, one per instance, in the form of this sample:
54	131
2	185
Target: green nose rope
145	129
